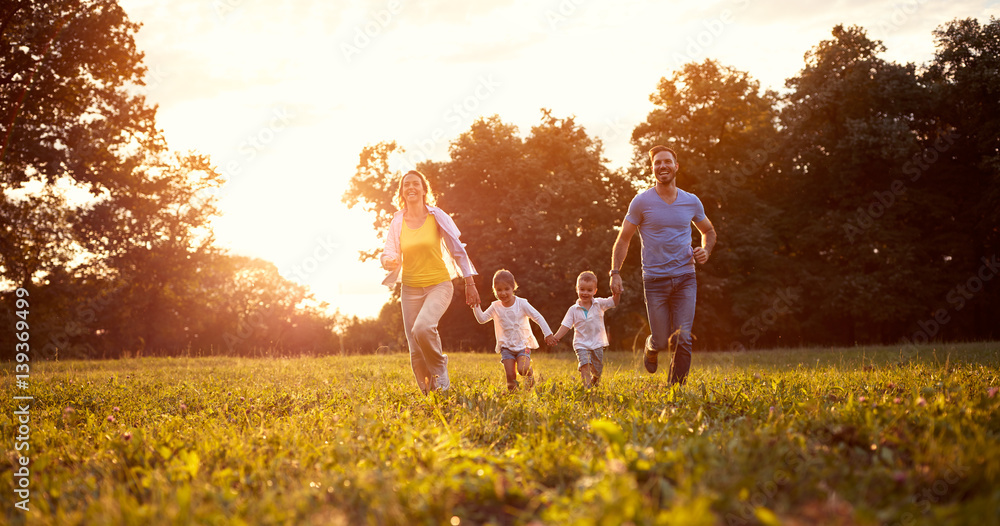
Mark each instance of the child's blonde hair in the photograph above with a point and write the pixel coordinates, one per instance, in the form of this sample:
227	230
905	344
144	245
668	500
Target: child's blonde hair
504	276
586	277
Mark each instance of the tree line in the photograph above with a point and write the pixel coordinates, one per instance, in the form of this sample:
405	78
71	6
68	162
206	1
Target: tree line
133	269
857	206
860	205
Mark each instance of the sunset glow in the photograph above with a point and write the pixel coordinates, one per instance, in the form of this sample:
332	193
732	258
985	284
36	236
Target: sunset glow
284	97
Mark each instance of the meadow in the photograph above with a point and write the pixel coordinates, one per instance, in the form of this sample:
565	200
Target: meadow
807	436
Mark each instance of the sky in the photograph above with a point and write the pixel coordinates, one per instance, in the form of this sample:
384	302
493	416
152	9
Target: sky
284	95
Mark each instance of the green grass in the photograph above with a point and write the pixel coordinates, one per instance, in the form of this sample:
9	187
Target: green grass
843	436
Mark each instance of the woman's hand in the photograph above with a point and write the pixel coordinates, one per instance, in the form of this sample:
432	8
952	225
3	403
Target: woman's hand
390	263
471	294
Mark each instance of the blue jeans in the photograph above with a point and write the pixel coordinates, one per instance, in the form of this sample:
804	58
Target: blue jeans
670	306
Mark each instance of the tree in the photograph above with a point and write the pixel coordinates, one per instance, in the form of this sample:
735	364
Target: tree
134	267
373	188
960	158
66	113
852	218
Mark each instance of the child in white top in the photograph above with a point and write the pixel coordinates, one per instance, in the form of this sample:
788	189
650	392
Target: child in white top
590	337
510	316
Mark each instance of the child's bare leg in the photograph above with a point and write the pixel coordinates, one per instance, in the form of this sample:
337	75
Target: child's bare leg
524	369
586	375
596	375
508	369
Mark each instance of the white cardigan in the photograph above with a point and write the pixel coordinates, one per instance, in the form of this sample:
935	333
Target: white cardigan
452	249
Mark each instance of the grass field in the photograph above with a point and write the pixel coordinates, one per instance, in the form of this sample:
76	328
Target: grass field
843	436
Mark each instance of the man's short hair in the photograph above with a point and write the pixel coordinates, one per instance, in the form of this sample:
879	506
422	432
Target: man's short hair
660	148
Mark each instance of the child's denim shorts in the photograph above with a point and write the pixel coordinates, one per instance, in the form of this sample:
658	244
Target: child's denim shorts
507	354
594	357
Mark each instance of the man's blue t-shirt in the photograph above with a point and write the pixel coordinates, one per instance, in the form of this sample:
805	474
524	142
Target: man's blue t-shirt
665	231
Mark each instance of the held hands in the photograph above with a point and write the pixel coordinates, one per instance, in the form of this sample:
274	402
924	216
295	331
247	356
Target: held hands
471	295
616	284
701	255
551	340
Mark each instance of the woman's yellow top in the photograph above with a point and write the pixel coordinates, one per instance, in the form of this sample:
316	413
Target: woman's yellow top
423	264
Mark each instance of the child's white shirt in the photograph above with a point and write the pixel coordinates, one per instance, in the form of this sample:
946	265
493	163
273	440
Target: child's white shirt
511	323
588	325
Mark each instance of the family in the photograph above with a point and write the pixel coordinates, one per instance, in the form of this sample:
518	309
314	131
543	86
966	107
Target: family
423	252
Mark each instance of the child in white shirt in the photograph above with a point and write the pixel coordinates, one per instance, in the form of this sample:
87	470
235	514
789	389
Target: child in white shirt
510	316
590	337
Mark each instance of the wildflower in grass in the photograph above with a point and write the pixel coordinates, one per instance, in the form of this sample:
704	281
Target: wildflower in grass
921	402
617	467
862	399
183	407
127	436
116	409
897	400
111	419
992	392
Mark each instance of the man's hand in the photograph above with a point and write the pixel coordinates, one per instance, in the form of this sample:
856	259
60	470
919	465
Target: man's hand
551	340
616	284
700	255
